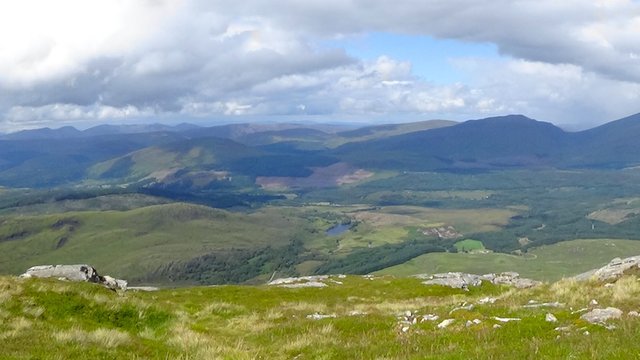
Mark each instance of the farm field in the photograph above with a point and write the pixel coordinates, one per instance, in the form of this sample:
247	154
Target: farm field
547	263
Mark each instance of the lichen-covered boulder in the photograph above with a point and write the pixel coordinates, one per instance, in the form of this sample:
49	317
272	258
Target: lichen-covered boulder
460	280
599	316
114	284
80	272
454	280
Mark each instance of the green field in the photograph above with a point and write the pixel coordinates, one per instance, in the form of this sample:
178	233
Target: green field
469	245
549	263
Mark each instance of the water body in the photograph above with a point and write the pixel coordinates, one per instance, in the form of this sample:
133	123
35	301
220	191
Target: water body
338	229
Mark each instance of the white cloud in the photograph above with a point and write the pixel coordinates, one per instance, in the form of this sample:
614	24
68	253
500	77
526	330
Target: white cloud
100	59
560	93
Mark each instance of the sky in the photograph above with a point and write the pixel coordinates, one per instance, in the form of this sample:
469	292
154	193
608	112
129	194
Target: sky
575	63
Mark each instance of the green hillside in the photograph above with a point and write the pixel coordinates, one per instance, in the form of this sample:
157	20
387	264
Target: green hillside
156	161
364	318
135	242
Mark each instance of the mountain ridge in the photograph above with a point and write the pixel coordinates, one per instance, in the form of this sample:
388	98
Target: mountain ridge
64	156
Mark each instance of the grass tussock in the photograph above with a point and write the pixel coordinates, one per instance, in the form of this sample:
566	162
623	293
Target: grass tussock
15	327
108	338
626	290
575	293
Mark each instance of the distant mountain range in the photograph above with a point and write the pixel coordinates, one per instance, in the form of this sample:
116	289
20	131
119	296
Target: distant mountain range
502	142
124	153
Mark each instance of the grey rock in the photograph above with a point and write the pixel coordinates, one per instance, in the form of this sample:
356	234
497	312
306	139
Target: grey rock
514	279
550	318
579	311
458	280
315	281
80	272
599	316
464	306
318	316
294	280
505	320
357	313
473	322
114	284
612	271
430	317
454	280
312	284
487	300
445	323
554	304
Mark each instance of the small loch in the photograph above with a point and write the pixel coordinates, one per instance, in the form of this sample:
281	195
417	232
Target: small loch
338	229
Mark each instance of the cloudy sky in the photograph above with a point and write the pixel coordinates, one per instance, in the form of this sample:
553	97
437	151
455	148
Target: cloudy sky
80	62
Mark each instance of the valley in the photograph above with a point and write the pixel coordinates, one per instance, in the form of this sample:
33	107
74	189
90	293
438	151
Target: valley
242	203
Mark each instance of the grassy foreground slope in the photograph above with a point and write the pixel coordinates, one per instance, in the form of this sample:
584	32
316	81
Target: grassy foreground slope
48	319
550	262
132	243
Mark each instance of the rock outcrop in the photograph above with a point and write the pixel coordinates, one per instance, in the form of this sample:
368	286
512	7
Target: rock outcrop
316	281
599	316
612	271
459	280
81	272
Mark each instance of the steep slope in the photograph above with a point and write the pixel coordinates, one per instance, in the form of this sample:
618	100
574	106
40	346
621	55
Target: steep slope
53	162
499	142
612	145
192	154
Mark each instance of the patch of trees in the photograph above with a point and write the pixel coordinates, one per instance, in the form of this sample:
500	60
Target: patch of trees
364	261
231	266
222	200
